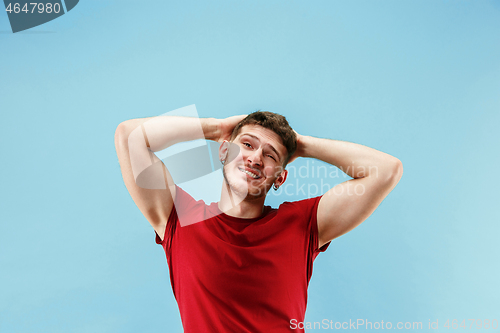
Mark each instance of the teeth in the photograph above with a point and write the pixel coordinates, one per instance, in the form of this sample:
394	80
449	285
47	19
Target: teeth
250	174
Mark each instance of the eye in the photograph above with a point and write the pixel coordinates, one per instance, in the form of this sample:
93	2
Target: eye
247	144
271	156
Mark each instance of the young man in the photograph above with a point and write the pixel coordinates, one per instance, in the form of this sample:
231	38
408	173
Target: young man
238	265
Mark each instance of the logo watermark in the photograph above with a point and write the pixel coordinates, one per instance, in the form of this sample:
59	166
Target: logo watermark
356	324
25	15
327	324
172	149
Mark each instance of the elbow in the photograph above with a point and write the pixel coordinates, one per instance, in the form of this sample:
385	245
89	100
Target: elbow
118	134
391	173
121	133
125	129
396	171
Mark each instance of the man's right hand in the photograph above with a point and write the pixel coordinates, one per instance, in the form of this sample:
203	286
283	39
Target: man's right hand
135	156
226	127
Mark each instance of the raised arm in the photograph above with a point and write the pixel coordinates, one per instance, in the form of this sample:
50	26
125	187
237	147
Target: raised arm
146	177
346	205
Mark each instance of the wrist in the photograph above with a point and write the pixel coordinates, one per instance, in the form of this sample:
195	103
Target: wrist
211	128
302	144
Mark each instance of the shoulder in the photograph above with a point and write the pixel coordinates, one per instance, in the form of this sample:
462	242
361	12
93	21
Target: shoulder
305	209
183	198
188	210
308	203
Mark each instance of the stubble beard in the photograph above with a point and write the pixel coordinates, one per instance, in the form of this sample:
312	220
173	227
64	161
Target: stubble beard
247	193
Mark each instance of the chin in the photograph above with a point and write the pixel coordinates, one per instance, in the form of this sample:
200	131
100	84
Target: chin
257	192
236	184
239	184
244	189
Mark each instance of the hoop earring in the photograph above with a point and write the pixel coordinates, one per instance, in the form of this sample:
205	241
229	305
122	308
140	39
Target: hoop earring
223	162
275	187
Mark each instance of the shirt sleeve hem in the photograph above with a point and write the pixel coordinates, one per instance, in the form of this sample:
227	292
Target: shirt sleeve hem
171	219
325	246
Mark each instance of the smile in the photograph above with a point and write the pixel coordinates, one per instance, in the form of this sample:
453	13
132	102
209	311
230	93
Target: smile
251	174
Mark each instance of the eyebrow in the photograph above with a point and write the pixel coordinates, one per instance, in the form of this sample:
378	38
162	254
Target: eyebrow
270	145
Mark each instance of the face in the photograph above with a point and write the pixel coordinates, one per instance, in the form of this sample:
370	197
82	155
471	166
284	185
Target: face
257	164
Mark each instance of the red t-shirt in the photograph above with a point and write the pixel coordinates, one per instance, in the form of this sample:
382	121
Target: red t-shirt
240	275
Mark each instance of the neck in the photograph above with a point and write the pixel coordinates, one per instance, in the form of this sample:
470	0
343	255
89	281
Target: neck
237	205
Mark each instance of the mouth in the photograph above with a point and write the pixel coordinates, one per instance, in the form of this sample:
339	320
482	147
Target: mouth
250	173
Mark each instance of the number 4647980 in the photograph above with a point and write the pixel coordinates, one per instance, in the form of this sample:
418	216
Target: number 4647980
39	7
485	323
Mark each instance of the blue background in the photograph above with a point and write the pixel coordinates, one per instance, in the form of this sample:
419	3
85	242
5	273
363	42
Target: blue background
419	80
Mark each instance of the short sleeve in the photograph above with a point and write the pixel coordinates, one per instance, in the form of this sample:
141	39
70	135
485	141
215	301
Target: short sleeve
312	234
169	228
182	203
313	230
305	212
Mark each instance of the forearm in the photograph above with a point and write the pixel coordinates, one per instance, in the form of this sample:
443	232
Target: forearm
164	131
137	138
356	160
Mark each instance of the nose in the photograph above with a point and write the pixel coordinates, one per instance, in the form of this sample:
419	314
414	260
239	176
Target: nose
255	157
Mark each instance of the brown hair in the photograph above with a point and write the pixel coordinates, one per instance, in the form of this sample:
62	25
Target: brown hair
276	123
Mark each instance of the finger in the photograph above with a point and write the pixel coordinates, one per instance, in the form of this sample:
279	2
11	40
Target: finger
239	118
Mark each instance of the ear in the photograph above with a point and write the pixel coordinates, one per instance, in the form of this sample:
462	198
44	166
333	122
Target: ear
223	149
281	178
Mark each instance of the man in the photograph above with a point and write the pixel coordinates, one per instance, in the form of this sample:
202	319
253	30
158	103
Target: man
238	265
